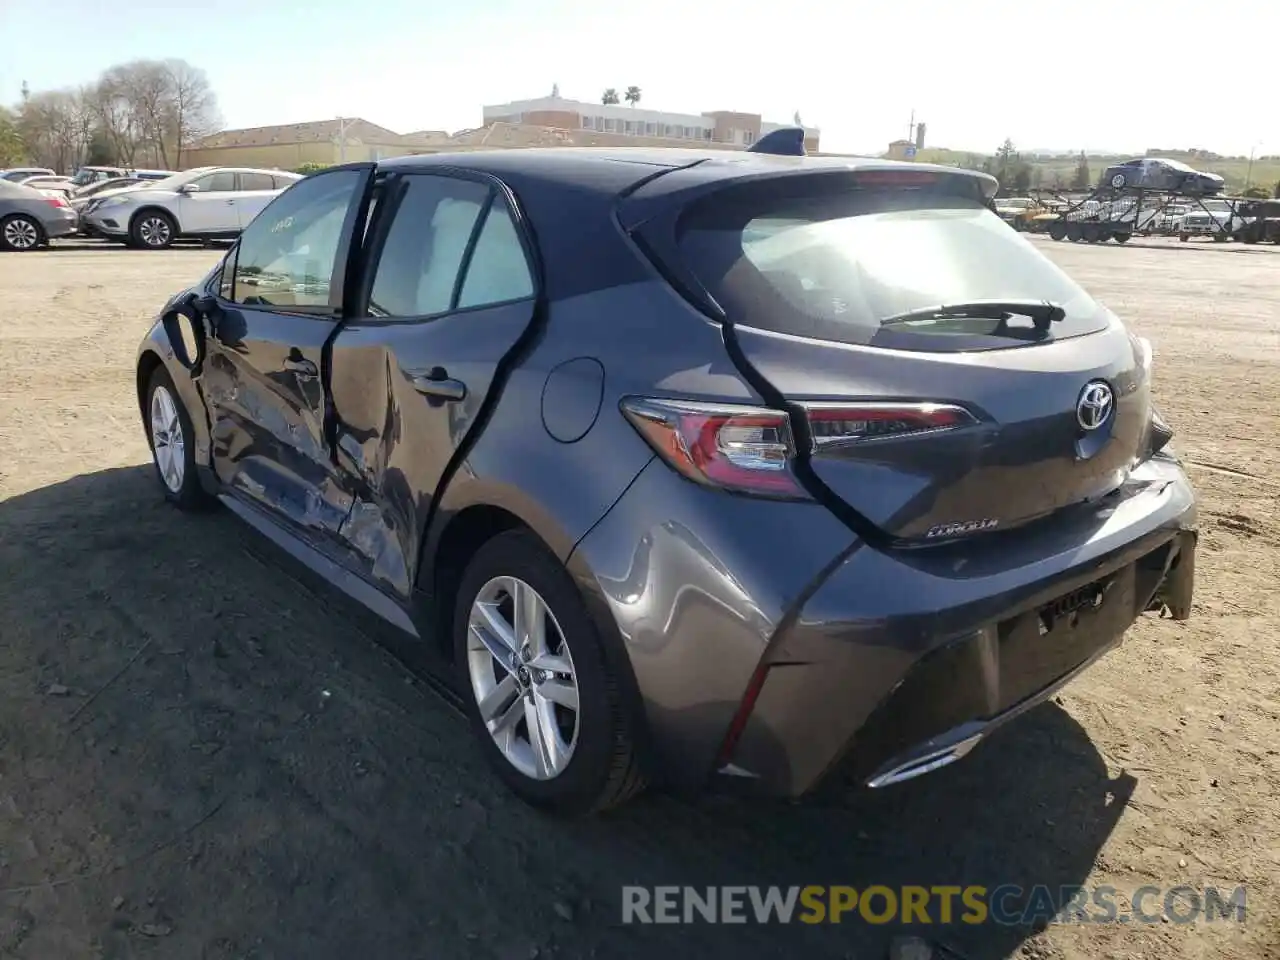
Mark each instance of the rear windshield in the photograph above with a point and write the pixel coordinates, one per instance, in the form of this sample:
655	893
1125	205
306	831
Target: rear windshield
836	265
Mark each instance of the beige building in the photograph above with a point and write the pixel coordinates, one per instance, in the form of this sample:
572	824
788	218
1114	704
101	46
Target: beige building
721	127
553	122
291	145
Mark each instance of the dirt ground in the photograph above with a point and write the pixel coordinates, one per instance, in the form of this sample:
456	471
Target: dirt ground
205	755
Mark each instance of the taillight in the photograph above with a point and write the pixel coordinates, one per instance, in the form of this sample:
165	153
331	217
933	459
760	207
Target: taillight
838	424
739	448
55	201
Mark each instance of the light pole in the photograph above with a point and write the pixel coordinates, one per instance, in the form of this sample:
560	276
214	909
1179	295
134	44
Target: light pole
342	138
1248	177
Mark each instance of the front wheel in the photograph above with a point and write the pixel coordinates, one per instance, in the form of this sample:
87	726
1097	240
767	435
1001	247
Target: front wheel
171	437
539	692
152	230
20	233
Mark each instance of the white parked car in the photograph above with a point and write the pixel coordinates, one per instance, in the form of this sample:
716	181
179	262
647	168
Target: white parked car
210	203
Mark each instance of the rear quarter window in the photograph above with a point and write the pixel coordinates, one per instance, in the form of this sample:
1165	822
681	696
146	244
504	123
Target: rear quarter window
834	265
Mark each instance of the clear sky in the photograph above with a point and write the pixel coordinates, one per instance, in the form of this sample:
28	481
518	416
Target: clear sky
1096	74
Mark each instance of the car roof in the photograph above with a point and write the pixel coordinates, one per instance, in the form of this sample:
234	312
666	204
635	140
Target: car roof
570	196
615	169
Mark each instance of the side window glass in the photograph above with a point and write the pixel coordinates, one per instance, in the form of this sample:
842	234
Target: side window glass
287	255
256	181
498	271
418	267
222	182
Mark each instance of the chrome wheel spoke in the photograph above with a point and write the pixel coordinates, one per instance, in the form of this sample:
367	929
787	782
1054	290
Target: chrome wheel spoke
530	619
502	708
489	627
548	755
561	692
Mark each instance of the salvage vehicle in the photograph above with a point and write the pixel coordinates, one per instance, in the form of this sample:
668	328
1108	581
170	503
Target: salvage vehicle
673	491
1157	173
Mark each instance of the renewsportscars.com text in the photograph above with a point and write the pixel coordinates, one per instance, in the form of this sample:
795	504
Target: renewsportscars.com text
1008	905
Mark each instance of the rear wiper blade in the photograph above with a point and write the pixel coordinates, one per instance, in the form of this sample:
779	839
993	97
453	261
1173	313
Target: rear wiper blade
1043	312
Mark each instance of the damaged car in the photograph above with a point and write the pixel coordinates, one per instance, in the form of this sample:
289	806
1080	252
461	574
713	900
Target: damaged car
686	467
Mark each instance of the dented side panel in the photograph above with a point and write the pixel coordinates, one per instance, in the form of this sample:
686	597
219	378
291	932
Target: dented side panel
267	411
394	444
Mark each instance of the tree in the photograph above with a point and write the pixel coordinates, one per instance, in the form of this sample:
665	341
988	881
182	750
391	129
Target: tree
632	96
1255	193
144	112
1277	190
1021	177
1083	179
796	119
12	149
609	97
193	106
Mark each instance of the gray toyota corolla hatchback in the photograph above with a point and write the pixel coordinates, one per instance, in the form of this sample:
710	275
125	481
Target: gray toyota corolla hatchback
693	466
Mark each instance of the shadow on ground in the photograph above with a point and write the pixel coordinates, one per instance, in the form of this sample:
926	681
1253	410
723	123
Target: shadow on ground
204	756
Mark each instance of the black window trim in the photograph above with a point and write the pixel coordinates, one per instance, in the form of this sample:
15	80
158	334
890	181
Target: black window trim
396	183
347	254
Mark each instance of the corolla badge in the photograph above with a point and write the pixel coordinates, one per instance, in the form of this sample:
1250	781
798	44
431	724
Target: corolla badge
962	528
1095	404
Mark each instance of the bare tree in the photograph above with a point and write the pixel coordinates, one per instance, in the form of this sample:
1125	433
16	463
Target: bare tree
143	112
117	117
50	126
149	90
193	105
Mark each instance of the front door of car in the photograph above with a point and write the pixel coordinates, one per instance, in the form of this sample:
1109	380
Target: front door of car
254	192
448	296
211	208
280	300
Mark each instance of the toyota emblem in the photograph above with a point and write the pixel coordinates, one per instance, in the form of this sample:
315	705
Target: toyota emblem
1095	404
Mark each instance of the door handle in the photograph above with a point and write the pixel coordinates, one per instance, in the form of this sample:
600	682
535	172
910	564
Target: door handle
302	367
437	384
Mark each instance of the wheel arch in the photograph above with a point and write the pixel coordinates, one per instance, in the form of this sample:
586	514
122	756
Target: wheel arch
155	208
156	353
469	515
42	235
456	537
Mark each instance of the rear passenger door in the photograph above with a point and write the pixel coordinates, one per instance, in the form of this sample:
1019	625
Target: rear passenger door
449	294
255	191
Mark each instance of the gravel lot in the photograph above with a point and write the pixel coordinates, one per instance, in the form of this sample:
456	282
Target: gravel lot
205	755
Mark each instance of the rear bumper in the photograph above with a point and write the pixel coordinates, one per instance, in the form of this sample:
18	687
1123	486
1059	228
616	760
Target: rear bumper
882	665
63	226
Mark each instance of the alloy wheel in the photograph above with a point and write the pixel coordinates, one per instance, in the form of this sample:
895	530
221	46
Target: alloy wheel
154	231
167	441
21	234
523	678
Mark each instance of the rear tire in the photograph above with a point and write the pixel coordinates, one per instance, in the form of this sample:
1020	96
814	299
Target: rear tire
172	440
20	234
152	230
597	768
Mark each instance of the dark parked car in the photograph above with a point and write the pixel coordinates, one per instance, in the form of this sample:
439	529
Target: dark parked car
29	218
1154	173
692	466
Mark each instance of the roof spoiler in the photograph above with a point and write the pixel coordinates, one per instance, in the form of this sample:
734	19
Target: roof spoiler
786	142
